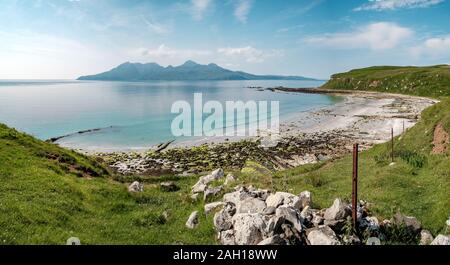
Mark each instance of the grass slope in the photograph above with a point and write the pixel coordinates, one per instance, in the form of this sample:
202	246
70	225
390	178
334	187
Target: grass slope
407	187
431	81
48	194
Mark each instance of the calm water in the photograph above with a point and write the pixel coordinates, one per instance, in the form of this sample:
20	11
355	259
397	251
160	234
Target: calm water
133	114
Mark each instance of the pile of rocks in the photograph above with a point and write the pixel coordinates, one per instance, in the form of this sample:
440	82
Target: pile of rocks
203	184
250	216
253	216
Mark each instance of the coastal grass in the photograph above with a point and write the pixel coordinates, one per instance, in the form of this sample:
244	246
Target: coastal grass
430	81
417	184
45	201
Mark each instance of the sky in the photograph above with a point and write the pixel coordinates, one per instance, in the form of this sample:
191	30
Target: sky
64	39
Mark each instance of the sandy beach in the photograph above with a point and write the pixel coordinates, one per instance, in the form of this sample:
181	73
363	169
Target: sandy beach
308	137
368	116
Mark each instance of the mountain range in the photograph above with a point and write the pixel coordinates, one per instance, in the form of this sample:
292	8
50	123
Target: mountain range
190	70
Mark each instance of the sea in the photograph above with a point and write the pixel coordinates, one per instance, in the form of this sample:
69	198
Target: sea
131	115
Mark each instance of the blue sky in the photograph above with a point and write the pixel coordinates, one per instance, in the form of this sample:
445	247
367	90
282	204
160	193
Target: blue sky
58	39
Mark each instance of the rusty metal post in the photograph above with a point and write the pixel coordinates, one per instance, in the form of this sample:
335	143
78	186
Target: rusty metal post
392	144
355	185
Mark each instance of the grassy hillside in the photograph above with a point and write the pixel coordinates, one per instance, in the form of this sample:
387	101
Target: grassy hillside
417	184
433	81
48	194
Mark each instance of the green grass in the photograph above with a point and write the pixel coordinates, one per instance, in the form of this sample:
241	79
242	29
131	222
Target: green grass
431	81
44	200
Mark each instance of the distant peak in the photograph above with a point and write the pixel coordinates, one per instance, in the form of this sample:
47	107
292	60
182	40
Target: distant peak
189	63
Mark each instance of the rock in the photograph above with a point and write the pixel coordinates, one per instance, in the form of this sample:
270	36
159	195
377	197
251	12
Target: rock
291	235
227	237
169	186
288	198
274	200
223	218
295	203
194	196
229	179
322	235
305	199
136	187
215	175
202	183
441	240
448	224
261	194
274	225
351	240
213	206
269	210
373	241
337	211
426	237
306	213
321	157
409	221
251	205
336	225
198	187
192	221
370	224
290	215
273	240
248	228
236	196
211	192
317	220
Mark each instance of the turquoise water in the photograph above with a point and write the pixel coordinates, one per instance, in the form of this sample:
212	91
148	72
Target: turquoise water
132	114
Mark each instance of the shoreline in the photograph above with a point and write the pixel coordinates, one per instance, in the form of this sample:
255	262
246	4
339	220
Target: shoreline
308	137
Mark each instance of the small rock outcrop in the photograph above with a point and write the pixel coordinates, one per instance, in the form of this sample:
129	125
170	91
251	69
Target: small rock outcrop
192	221
441	240
169	186
229	179
338	211
426	237
202	185
213	206
136	187
323	235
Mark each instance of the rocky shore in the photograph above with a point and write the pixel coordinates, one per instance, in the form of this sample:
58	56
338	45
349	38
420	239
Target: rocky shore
310	137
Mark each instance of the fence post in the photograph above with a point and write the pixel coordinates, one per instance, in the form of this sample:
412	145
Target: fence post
392	144
355	185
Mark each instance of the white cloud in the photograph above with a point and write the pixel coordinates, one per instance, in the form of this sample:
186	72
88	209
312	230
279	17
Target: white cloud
224	56
163	51
434	47
199	7
248	54
375	36
380	5
242	10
